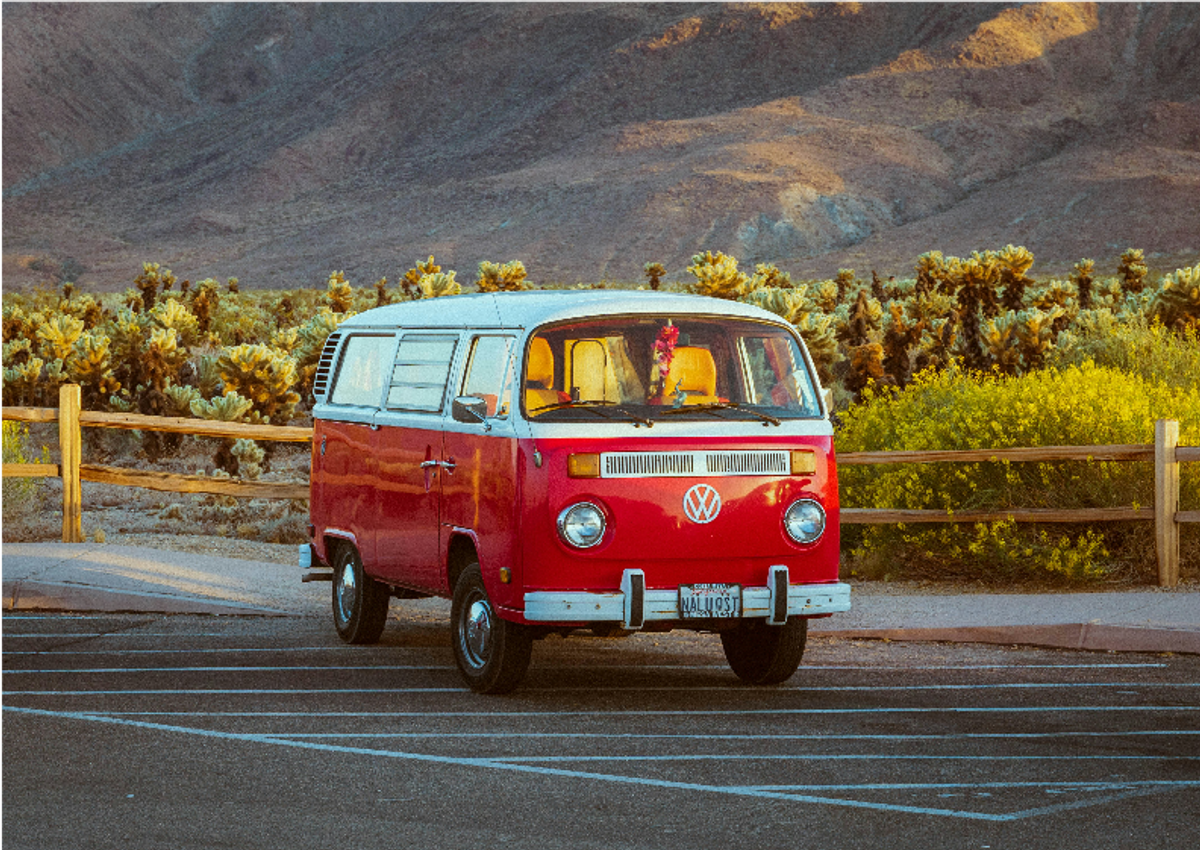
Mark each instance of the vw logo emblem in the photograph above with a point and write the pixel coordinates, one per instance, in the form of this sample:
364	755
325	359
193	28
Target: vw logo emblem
701	504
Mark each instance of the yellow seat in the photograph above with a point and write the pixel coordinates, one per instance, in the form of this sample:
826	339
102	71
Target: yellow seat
694	374
589	372
539	376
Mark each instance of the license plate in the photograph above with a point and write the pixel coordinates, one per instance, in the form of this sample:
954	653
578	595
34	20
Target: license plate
710	601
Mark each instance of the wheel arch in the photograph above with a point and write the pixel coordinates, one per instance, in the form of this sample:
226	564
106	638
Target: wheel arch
461	553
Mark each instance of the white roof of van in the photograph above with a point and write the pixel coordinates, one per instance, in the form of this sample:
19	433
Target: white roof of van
537	307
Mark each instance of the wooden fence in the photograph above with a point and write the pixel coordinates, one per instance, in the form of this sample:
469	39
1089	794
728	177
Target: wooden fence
1165	453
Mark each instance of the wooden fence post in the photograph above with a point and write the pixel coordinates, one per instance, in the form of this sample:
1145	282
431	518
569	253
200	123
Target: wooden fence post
70	443
1166	501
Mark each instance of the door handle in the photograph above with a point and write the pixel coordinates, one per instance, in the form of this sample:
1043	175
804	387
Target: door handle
448	465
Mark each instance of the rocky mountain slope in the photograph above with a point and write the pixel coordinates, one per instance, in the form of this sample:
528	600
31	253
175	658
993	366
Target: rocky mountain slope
276	143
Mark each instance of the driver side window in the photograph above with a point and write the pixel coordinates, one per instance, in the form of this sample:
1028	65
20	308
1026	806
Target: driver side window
489	373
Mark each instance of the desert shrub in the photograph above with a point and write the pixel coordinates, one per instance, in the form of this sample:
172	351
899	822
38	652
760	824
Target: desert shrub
22	497
1134	346
1075	405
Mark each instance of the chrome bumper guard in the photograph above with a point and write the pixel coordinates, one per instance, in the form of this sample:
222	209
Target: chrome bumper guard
633	605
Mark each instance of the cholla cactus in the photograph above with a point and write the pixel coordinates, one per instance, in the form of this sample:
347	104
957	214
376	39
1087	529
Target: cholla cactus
1037	331
90	366
1014	263
339	292
181	398
820	338
411	282
58	335
439	284
931	271
249	458
204	303
22	374
162	358
381	294
899	338
149	282
494	277
825	296
999	338
717	276
227	408
788	304
1177	302
1132	270
1082	276
767	275
654	272
285	339
264	375
170	313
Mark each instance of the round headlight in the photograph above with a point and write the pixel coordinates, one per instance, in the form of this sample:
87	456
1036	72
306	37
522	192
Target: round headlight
805	521
581	525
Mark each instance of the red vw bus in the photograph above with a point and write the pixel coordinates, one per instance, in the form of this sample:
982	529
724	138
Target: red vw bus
555	461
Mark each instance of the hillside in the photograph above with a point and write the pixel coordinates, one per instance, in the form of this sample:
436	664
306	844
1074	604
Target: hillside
277	143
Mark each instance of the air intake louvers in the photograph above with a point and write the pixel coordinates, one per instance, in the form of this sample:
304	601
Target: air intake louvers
324	366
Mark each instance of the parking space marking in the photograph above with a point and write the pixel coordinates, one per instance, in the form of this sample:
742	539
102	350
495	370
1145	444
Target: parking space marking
497	764
1018	709
607	690
627	736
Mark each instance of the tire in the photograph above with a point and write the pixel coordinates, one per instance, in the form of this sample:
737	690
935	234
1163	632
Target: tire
492	653
360	604
765	655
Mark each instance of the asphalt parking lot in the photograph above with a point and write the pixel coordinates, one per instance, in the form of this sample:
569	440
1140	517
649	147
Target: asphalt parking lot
152	731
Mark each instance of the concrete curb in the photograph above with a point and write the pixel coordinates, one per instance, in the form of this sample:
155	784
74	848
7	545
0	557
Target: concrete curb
65	596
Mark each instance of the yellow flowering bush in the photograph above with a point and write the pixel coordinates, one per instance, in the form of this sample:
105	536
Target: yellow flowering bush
1076	405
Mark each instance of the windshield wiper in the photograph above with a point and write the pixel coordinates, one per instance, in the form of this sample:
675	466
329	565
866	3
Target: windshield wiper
592	406
721	405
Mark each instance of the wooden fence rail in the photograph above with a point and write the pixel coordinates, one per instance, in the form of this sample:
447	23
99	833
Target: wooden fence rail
1165	453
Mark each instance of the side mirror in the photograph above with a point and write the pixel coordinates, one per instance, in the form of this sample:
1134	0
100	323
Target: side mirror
471	409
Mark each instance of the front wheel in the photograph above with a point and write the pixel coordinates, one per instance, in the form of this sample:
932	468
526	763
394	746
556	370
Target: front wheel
492	653
765	655
360	604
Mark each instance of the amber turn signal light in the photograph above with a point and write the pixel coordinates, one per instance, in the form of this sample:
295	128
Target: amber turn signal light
583	466
804	462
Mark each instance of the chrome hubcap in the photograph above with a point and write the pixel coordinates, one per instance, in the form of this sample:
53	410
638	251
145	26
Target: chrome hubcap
477	632
347	591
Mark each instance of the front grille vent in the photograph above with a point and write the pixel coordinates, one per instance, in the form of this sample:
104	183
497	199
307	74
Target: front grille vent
693	464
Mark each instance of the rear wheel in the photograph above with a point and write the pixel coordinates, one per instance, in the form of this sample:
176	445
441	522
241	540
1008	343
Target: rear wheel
492	653
360	604
765	655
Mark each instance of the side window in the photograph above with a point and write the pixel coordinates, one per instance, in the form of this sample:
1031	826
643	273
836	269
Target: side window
489	372
363	369
420	372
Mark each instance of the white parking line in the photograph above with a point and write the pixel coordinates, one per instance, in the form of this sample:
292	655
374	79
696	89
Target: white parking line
733	712
492	764
1000	686
809	738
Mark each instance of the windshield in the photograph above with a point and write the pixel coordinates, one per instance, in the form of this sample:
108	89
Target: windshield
644	368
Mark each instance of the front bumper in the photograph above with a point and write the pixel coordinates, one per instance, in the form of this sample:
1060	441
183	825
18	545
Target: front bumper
633	605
